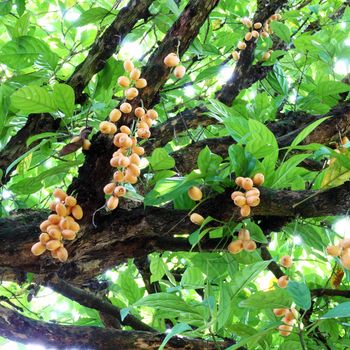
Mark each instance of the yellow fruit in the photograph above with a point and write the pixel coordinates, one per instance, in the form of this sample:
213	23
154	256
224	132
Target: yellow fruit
45	224
131	93
264	34
236	194
109	188
143	125
123	162
52	227
235	55
53	244
70	201
257	25
55	233
113	128
241	45
54	254
239	181
120	191
74	226
139	112
143	133
138	150
151	113
141	83
135	74
286	261
235	247
126	107
105	127
240	201
247	183
38	248
114	162
179	72
247	22
115	115
53	206
128	65
135	159
258	179
333	250
285	330
266	56
118	176
253	201
112	203
44	237
244	234
245	211
289	316
86	145
171	60
344	243
54	219
249	246
129	178
282	282
77	212
125	130
135	170
124	81
253	192
69	235
60	194
279	312
61	209
197	219
248	36
62	254
64	224
195	193
255	34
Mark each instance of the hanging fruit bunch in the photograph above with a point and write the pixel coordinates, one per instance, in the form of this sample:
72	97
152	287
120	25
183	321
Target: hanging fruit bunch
59	226
173	61
289	318
243	242
251	198
341	250
256	30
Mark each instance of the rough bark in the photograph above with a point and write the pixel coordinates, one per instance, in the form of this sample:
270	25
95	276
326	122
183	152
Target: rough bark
103	48
126	234
22	329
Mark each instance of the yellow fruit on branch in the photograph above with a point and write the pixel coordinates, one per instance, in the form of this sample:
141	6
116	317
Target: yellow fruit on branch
195	193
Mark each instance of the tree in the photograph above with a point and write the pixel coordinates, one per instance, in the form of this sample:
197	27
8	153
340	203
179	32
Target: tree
176	262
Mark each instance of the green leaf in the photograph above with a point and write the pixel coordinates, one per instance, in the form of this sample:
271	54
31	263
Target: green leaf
157	268
256	232
208	163
192	278
300	294
171	4
326	88
33	99
160	160
177	329
341	310
5	7
43	135
281	30
93	15
277	298
64	98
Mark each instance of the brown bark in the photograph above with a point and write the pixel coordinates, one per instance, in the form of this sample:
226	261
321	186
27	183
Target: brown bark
22	329
103	49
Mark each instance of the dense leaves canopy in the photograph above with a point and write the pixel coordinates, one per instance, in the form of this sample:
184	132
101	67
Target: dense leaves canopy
143	275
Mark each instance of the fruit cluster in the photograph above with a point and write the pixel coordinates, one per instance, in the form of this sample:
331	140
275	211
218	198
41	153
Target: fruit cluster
126	159
251	198
243	242
288	320
172	60
286	261
59	226
256	30
341	250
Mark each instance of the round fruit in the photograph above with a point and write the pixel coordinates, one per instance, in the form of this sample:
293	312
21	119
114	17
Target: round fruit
285	330
105	127
86	145
61	209
255	34
38	248
54	218
247	183
118	176
247	22
286	261
135	159
53	244
179	72
239	181
333	250
289	316
124	162
64	224
53	206
266	56
62	254
195	193
77	212
114	162
235	247
151	113
135	74
196	219
345	243
44	237
74	226
141	83
129	178
244	234
143	133
112	203
131	93
265	34
128	65
248	36
60	194
241	45
253	201
258	179
115	115
55	233
245	211
236	194
249	246
109	188
235	55
70	201
124	81
45	224
257	25
279	312
283	282
171	60
139	112
126	107
138	150
240	201
120	191
69	235
253	192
